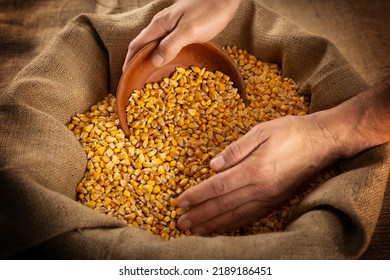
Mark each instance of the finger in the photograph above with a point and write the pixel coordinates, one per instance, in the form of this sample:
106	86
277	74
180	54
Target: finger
218	206
239	149
232	220
161	25
217	185
170	46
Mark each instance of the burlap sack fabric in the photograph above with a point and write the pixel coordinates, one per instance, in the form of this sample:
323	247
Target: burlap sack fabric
41	161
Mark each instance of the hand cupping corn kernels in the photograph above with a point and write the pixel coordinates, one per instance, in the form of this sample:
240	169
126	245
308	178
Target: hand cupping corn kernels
176	127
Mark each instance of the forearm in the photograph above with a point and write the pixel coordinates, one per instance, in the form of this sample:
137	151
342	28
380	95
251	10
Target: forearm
361	122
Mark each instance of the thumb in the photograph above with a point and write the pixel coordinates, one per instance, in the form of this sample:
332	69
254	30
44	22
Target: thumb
238	150
170	46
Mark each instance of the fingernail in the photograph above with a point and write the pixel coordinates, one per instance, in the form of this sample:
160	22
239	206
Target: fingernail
157	60
218	162
199	231
186	224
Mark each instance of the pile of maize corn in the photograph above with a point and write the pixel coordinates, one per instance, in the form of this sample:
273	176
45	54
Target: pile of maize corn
176	126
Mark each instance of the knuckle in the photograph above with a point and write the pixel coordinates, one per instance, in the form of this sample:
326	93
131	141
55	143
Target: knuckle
260	132
166	46
219	187
233	150
133	44
165	20
170	46
160	17
224	204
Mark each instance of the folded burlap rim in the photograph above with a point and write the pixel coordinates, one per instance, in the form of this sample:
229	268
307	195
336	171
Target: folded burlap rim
42	162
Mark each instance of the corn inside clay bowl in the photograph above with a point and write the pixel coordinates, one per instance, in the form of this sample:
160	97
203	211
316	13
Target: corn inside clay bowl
141	71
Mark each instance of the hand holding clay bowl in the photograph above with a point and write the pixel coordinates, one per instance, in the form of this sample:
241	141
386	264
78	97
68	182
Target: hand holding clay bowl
141	71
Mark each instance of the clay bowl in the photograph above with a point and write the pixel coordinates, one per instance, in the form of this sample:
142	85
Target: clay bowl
140	71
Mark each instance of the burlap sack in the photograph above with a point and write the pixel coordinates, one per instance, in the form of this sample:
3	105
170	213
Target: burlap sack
41	161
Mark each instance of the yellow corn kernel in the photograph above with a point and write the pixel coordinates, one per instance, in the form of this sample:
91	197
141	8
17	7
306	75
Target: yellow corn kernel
192	112
156	189
176	127
91	204
126	193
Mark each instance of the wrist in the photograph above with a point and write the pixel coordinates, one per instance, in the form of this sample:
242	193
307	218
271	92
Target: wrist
342	129
360	123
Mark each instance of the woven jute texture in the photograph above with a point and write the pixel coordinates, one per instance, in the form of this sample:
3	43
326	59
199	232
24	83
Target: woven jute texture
41	162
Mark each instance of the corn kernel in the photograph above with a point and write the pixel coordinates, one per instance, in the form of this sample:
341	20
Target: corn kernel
176	127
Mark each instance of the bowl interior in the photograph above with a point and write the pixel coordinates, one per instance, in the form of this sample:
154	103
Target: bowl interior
140	71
